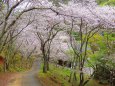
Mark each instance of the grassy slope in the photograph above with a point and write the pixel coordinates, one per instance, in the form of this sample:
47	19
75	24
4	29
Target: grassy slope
56	76
59	76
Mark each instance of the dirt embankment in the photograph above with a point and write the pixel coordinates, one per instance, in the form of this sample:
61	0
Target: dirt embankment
49	81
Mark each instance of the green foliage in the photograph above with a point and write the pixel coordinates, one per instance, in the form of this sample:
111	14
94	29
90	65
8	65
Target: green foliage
17	63
102	42
1	68
62	75
59	73
57	2
97	37
94	58
70	52
76	35
111	36
106	2
102	59
2	6
101	2
102	71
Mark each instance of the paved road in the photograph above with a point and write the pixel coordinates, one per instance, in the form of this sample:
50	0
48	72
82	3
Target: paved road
28	78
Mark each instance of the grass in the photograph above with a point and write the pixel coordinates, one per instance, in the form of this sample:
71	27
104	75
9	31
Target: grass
56	75
18	65
59	76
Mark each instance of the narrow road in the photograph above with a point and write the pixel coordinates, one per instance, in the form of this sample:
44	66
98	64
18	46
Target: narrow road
28	78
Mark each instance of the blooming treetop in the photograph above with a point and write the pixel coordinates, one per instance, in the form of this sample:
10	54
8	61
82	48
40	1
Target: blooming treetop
89	11
94	16
91	14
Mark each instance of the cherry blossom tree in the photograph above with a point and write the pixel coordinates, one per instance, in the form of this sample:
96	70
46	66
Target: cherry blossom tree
87	20
81	16
46	34
12	15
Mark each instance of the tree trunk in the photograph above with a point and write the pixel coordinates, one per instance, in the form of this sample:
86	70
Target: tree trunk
5	64
4	67
81	77
46	65
73	78
70	78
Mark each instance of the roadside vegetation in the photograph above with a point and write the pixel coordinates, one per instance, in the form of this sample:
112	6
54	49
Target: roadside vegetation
59	76
98	58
